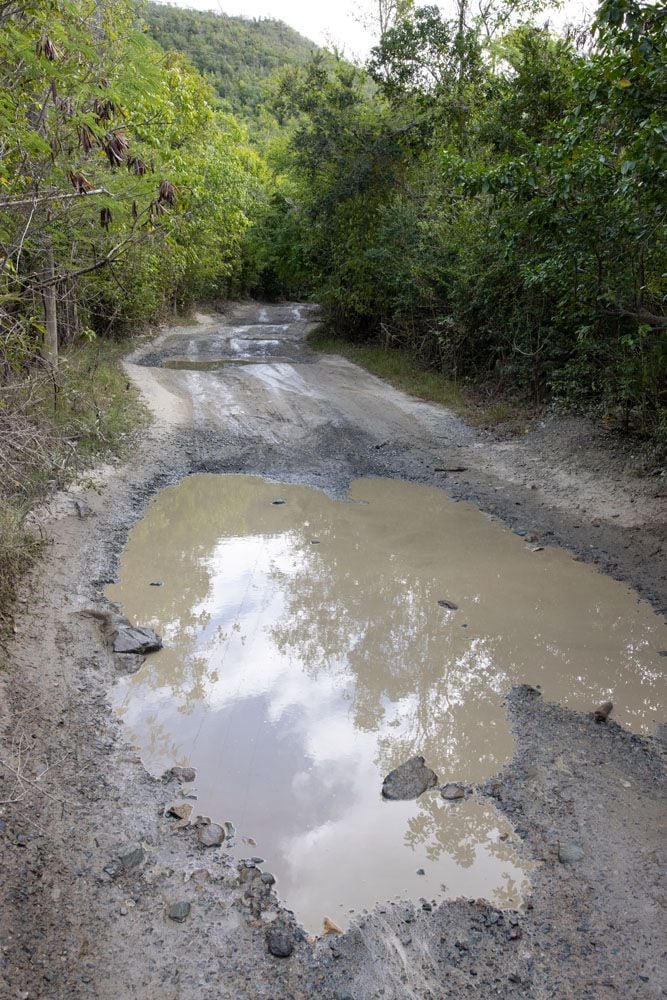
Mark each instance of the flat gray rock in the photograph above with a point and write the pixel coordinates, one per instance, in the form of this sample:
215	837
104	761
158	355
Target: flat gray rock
184	774
211	835
131	639
179	911
569	853
452	791
409	780
132	858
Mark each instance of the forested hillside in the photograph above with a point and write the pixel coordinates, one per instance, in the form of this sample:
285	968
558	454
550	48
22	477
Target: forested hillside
237	54
496	207
124	193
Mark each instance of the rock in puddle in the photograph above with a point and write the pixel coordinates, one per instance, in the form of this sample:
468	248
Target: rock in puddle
602	712
129	663
184	774
132	639
179	911
211	835
569	852
409	780
452	791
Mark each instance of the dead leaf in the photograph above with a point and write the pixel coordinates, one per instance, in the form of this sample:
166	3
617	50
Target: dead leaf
330	927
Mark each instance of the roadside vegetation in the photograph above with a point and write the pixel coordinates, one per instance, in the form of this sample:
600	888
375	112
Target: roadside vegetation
125	193
487	195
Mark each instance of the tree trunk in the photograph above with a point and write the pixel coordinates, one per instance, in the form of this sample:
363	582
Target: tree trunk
50	342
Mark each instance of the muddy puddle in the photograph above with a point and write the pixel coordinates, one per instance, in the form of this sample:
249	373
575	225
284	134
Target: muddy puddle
309	649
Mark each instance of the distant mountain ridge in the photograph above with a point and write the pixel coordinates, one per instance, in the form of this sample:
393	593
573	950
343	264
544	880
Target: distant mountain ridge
237	54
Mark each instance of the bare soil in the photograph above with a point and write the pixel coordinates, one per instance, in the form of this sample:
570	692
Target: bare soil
91	864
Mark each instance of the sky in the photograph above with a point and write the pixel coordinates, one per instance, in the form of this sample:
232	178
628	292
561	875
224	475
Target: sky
338	22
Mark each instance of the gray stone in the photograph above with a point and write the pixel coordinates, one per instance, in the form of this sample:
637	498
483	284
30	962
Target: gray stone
211	835
128	639
184	773
129	663
448	604
179	911
268	878
132	858
279	942
452	792
409	780
569	853
602	712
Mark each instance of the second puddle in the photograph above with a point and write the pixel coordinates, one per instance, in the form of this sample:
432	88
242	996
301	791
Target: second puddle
307	654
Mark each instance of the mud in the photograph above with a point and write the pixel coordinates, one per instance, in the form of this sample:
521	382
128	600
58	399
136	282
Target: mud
78	921
309	654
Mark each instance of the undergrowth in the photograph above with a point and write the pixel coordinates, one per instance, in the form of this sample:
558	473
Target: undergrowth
402	370
51	431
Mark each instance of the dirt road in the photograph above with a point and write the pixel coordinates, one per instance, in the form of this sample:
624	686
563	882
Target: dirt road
91	863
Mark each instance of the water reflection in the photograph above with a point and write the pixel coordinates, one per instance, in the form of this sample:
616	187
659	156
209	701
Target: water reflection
306	655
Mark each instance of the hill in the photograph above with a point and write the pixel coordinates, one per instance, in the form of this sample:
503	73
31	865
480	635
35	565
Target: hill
237	54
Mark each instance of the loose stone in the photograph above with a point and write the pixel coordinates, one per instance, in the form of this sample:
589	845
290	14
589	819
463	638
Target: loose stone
211	835
180	810
569	853
452	792
179	911
279	943
128	639
409	780
184	774
602	712
132	858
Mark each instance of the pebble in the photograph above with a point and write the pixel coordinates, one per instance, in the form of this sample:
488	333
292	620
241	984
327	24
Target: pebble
279	943
569	853
409	780
452	792
132	859
179	911
184	773
211	835
268	878
136	640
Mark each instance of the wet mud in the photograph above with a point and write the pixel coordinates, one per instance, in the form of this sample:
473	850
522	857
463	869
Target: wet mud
105	896
310	651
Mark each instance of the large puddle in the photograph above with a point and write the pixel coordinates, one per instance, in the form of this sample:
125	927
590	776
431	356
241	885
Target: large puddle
308	652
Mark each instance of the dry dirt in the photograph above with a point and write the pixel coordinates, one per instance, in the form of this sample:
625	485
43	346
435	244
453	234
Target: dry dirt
91	864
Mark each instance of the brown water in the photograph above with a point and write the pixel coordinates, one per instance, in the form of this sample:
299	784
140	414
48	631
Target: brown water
306	655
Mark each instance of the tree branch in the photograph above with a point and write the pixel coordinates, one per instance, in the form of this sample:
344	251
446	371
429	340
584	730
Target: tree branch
54	197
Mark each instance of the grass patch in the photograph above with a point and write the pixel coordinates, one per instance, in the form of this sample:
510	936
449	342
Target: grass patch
403	371
51	431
